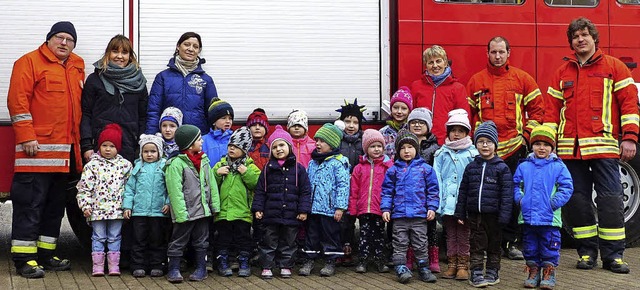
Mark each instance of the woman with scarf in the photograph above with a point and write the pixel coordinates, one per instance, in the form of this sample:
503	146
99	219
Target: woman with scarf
183	85
438	91
115	92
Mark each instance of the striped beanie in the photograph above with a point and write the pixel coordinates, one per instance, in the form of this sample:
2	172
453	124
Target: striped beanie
487	129
404	137
258	116
331	134
186	135
172	114
218	109
369	137
543	133
242	139
402	95
280	134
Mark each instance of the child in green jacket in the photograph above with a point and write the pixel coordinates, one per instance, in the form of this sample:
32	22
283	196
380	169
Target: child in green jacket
236	176
193	199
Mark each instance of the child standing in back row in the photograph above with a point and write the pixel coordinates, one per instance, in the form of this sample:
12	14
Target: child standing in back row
542	185
214	142
303	145
364	200
99	197
450	161
410	198
484	203
401	104
170	120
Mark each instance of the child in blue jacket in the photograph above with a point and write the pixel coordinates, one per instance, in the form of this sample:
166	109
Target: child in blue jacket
542	185
329	176
214	143
146	203
410	198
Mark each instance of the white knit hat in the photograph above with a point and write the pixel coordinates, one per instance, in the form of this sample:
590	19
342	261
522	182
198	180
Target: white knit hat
458	117
155	140
298	117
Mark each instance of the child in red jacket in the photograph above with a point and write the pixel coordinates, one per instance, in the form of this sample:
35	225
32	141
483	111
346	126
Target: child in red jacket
364	200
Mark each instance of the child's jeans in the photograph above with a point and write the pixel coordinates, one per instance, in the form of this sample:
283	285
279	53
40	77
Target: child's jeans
541	244
457	236
407	230
486	235
106	231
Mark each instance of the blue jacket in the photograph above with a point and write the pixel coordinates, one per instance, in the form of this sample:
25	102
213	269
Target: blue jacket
192	94
146	193
329	185
449	166
282	192
410	189
487	187
541	188
215	143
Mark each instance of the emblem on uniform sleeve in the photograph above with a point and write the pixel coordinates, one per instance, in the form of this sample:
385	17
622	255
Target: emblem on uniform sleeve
197	83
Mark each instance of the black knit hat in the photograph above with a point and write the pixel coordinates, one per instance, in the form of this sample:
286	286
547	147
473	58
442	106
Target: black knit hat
404	137
63	26
186	135
218	109
351	109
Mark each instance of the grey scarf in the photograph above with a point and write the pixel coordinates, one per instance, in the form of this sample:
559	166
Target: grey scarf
127	79
184	66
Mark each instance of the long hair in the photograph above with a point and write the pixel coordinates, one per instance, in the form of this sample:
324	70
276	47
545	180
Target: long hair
117	42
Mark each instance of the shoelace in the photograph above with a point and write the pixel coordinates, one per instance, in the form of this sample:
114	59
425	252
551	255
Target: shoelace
546	272
533	272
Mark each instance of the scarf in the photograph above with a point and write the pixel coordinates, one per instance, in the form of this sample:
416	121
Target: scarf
184	66
463	143
395	125
320	157
235	163
127	79
195	158
438	80
352	138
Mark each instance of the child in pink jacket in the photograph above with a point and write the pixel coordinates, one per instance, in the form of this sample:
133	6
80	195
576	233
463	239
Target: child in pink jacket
364	200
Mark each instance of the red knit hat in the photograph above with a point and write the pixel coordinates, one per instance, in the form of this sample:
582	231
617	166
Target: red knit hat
111	132
258	116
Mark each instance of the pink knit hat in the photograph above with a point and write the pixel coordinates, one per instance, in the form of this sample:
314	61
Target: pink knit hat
402	95
281	134
369	136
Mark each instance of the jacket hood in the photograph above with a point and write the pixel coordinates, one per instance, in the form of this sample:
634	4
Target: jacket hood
385	160
541	162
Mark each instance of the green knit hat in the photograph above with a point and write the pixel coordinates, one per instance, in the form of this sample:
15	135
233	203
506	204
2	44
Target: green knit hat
543	133
186	135
331	134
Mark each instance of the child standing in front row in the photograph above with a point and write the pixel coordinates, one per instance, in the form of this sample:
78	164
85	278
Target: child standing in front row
450	161
282	200
236	177
170	120
364	200
329	177
410	198
146	203
193	198
484	204
542	185
100	198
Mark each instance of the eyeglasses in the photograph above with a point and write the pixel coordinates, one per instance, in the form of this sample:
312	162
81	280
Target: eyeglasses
60	39
418	123
484	143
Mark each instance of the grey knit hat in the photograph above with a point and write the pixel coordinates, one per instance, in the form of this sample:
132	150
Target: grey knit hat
422	114
242	139
153	139
487	129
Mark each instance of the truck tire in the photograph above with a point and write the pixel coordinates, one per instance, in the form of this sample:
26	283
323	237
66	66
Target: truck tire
75	217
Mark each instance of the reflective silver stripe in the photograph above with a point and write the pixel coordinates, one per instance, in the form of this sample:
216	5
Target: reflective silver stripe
555	93
334	253
531	96
622	84
597	141
21	117
21	243
311	252
48	147
41	162
50	240
630	119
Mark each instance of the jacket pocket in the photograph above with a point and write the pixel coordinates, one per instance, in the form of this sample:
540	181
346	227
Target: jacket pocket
43	130
55	83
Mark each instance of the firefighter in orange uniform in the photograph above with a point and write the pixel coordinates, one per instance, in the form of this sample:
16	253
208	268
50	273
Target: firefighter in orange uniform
592	101
44	106
510	98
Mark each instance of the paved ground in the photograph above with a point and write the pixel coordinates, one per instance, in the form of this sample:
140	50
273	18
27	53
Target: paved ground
80	275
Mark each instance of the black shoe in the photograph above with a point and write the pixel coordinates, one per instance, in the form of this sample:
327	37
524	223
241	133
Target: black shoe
513	253
56	264
616	266
586	262
31	270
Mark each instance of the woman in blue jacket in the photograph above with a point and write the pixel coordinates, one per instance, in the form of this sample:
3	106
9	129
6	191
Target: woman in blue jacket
183	85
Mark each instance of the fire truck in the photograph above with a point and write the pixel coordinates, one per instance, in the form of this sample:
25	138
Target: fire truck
312	55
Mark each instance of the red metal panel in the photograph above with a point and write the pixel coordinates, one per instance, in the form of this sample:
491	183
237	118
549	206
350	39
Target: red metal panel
409	64
7	155
624	21
410	9
410	32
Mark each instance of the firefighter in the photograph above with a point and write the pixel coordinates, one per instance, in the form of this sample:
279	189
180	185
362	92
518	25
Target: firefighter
44	106
592	101
509	97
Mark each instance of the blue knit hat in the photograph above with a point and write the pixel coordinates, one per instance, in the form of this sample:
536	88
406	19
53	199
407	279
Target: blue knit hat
487	129
218	109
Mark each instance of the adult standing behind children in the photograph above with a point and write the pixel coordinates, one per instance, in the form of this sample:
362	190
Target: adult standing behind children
183	85
510	98
437	90
115	93
44	106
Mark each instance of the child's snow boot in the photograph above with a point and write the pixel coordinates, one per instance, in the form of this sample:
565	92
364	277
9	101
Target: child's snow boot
200	272
223	264
173	273
244	269
434	259
425	273
113	259
463	268
533	275
98	264
403	273
329	268
452	268
548	276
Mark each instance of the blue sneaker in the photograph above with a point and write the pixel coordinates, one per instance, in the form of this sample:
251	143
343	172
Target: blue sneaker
477	279
491	276
403	273
533	279
548	276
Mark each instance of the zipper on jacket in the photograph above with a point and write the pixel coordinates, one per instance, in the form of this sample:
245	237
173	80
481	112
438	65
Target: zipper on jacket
484	166
370	189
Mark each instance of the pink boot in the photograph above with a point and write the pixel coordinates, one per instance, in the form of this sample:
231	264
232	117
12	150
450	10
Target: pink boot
98	264
113	259
434	259
410	258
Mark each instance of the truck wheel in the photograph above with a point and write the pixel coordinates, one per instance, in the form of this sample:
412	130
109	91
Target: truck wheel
77	221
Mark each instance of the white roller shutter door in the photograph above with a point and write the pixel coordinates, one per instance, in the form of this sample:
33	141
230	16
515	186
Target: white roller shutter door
275	54
26	23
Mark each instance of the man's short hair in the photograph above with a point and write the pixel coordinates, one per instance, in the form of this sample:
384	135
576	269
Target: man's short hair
498	39
580	24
